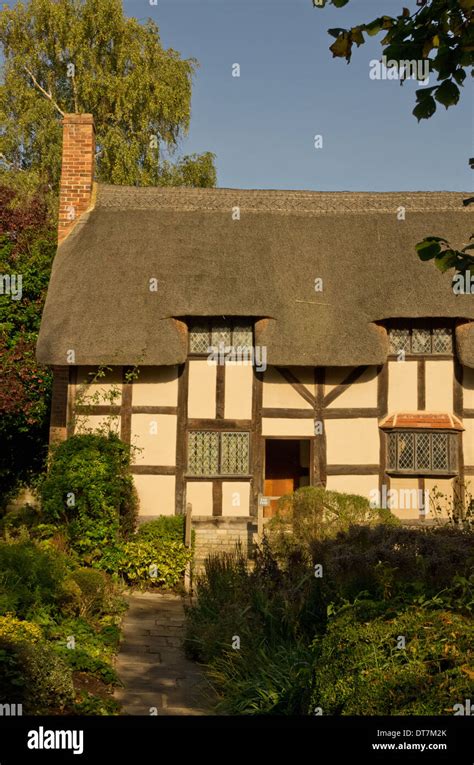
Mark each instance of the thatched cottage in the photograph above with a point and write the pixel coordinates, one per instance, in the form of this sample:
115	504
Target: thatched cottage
281	339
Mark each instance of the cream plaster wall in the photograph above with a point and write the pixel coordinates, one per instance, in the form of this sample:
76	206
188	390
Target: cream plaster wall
286	427
235	498
156	386
199	493
96	422
279	394
439	386
238	392
100	391
155	435
202	389
402	386
156	494
353	484
352	442
362	393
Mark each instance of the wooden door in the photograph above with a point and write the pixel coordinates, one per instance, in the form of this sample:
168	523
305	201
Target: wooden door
282	470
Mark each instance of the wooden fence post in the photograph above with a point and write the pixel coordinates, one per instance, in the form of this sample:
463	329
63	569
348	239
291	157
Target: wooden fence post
187	543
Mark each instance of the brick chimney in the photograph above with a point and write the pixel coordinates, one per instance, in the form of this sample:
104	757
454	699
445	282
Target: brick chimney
77	172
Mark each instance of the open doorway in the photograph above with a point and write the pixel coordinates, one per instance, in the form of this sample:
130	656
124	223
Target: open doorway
287	462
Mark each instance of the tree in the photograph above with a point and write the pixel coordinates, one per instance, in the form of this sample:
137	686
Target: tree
27	246
440	33
87	56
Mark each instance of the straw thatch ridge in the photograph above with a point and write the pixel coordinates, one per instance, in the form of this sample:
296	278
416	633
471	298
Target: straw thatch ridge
263	265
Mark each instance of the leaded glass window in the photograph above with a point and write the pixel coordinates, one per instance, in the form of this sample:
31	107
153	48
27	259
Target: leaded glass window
422	452
442	340
420	340
212	453
205	334
234	453
415	339
203	453
199	338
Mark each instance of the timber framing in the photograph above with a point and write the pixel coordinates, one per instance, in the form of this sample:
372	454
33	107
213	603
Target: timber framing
181	438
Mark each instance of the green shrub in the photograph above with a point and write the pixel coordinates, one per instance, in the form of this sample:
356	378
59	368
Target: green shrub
32	674
359	669
313	512
31	576
147	563
17	630
165	528
89	489
389	562
89	591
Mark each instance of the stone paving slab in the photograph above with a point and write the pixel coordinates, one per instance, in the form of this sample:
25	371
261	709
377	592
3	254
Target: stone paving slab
151	663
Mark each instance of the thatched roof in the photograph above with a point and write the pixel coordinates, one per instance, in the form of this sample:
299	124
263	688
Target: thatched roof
264	265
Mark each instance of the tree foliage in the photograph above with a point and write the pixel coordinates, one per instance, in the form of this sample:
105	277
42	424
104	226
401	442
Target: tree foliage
86	56
27	246
440	32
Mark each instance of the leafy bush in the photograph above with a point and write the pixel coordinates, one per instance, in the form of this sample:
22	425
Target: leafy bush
298	633
89	591
165	528
30	576
13	629
33	674
390	561
313	512
359	669
89	488
147	562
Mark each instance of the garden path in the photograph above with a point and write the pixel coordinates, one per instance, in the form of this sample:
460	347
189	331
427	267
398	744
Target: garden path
157	678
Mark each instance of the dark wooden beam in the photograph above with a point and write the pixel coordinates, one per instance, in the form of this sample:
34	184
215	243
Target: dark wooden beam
71	401
217	498
352	469
421	385
126	407
220	391
153	470
350	413
320	445
382	404
257	443
297	385
154	410
458	409
202	424
292	414
348	380
181	431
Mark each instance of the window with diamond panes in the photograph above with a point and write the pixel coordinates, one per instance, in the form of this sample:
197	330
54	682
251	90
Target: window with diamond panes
421	340
203	453
234	453
206	333
422	452
211	453
199	338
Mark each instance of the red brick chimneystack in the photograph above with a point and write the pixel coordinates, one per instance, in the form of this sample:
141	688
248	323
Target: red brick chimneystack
77	173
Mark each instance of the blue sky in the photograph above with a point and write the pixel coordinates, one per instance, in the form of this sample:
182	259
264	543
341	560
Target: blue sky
262	125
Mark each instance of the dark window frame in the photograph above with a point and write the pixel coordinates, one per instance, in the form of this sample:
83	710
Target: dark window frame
219	474
427	324
452	468
214	321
